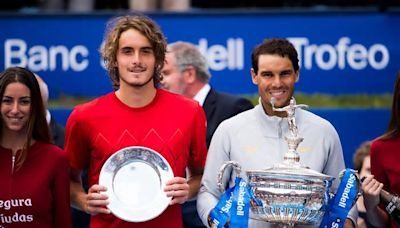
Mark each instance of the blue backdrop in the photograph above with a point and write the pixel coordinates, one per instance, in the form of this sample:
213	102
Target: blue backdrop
351	52
347	52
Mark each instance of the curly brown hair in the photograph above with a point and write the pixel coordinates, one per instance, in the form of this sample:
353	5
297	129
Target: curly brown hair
147	27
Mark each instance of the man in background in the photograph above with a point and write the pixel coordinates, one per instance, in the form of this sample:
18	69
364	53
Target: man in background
56	129
186	72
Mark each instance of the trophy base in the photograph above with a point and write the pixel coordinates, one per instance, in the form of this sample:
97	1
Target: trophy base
288	217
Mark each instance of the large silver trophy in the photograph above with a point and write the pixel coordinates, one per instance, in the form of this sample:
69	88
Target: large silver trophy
286	194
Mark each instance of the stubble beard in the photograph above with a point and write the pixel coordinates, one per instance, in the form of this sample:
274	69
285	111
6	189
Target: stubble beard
138	85
143	84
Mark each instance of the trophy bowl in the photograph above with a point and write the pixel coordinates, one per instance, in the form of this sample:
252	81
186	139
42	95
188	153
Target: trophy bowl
286	195
289	195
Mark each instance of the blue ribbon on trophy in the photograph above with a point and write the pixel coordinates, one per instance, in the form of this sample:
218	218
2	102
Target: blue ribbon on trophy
234	204
343	201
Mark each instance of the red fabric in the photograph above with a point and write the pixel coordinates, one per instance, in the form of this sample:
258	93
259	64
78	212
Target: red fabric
37	193
172	125
385	165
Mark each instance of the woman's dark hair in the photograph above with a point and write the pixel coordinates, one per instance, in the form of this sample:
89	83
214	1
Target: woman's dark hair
394	122
37	125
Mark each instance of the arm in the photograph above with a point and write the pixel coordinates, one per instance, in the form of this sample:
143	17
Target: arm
194	181
209	193
60	189
181	188
349	223
77	146
333	167
93	202
372	185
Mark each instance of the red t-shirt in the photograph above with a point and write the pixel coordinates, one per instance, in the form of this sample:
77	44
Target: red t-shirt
36	195
385	166
172	125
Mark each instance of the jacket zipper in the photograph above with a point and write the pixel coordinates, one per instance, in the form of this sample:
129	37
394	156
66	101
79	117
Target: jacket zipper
13	163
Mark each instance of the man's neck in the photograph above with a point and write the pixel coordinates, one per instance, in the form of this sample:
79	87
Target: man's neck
136	97
193	89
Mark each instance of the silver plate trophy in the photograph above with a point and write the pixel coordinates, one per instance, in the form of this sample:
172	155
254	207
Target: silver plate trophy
286	194
135	178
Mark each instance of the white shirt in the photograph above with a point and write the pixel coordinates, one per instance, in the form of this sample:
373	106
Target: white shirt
202	94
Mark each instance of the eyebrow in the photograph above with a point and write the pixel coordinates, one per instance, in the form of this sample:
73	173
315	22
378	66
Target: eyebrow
5	96
142	48
146	48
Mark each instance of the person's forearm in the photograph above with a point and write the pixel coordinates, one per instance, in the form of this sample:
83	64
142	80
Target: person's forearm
377	217
194	185
349	223
77	195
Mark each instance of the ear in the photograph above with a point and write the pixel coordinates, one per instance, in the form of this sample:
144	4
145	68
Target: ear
297	76
253	76
190	74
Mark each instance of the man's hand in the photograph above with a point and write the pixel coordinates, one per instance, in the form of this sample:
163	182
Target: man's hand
178	189
96	202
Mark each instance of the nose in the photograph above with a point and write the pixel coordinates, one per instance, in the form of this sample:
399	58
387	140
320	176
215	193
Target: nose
276	81
136	58
15	107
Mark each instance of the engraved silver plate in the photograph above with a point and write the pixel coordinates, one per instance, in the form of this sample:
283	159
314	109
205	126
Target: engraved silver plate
135	178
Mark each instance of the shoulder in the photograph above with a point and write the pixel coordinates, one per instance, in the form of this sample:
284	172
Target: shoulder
92	107
50	151
88	106
316	124
226	97
177	101
239	121
310	118
385	145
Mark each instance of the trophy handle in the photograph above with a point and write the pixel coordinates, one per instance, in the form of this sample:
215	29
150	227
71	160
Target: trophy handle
235	165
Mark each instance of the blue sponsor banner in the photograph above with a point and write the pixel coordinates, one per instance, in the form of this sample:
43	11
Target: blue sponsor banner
340	52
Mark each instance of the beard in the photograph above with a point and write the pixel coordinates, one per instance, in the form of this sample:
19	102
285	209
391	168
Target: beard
137	84
142	84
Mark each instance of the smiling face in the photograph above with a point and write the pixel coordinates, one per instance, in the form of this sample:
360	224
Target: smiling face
135	60
15	108
275	77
